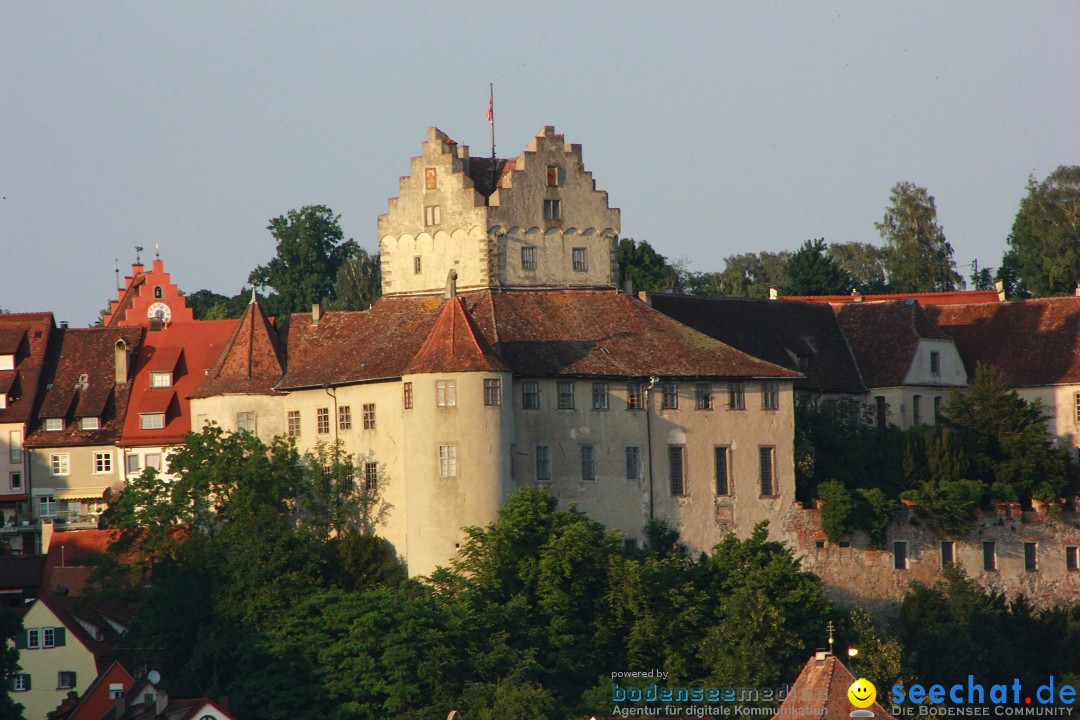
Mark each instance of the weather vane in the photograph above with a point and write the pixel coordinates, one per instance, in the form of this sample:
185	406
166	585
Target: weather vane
138	249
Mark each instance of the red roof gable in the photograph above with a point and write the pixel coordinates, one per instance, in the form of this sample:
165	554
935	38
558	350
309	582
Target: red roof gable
34	331
1032	342
95	700
821	690
143	289
454	345
252	362
884	337
191	349
946	297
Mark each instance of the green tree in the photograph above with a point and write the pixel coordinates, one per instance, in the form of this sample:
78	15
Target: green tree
310	251
865	263
752	274
918	258
1009	275
1046	233
10	626
359	282
649	270
810	271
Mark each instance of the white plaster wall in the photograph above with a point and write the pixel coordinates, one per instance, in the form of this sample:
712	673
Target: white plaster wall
81	472
463	250
952	371
1059	403
554	257
44	664
222	409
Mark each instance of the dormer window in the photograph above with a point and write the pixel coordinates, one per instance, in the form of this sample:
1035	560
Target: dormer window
54	424
161	379
7	362
90	423
151	421
84	379
3	401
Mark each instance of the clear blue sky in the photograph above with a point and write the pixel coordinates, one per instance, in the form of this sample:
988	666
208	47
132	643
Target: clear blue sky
718	127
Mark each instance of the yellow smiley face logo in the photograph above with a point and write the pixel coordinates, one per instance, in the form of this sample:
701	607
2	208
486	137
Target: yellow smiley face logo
862	693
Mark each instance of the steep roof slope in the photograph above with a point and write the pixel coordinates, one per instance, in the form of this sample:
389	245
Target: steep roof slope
252	361
884	337
796	335
1032	342
26	336
821	690
454	345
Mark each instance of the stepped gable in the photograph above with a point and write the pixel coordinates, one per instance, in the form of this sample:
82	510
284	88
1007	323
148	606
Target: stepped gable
884	337
796	335
488	174
346	347
602	333
89	352
455	345
252	361
821	690
26	336
1032	342
146	293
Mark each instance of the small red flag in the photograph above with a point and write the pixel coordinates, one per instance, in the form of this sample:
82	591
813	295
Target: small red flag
491	115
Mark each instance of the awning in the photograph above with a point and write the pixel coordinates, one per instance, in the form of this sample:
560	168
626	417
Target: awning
94	493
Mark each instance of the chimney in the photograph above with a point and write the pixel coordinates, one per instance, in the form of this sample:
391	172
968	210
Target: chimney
628	284
644	297
451	284
774	294
316	313
1076	292
46	537
120	357
63	324
856	296
1000	287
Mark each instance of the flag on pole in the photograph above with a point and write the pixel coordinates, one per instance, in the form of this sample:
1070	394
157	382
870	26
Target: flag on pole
491	114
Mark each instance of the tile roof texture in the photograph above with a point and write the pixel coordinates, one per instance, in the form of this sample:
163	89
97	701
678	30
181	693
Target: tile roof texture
1032	342
68	562
884	337
821	690
454	345
252	361
778	331
947	297
74	353
34	331
21	572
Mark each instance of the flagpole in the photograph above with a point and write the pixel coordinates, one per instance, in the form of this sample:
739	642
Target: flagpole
491	116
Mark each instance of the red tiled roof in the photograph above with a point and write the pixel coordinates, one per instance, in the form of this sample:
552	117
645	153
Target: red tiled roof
11	340
252	361
884	337
191	348
779	331
95	700
7	380
947	297
90	352
821	690
66	563
18	572
1032	342
24	382
454	345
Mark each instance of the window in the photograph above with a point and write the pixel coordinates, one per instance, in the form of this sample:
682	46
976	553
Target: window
937	408
916	401
948	553
116	691
448	461
15	446
159	293
432	216
430	178
635	396
322	421
553	176
65	680
899	551
406	395
935	363
33	638
588	463
16	481
344	418
160	379
20	682
543	464
245	422
633	462
58	465
48	637
445	394
102	462
989	557
132	463
767	457
530	395
882	410
1076	403
722	461
566	395
1072	557
292	423
369	416
54	424
153	421
581	263
1031	560
669	396
492	392
153	460
599	396
417	264
371	476
528	258
89	423
703	396
677	469
552	210
770	395
736	396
